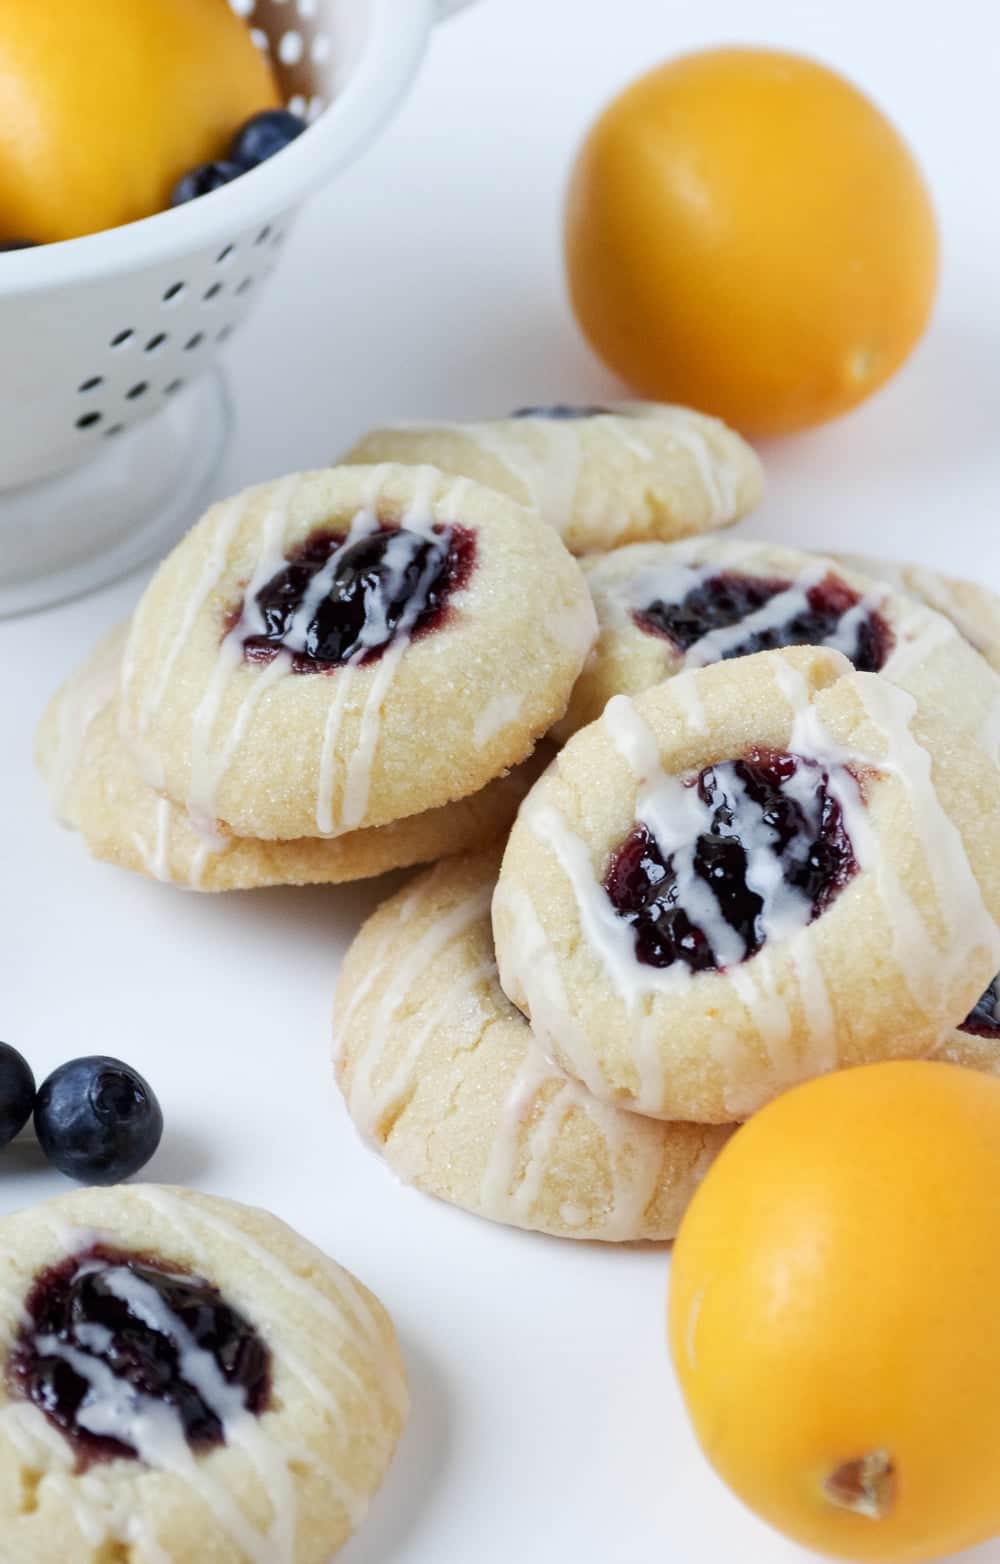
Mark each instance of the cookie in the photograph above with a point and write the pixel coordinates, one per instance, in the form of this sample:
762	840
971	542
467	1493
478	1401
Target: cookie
975	1042
973	609
97	790
600	475
442	1076
345	648
279	1390
753	873
664	607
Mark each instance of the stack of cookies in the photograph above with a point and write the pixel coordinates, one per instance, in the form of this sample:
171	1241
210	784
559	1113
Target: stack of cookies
768	846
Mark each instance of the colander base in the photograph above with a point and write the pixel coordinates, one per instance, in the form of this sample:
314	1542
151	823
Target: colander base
70	534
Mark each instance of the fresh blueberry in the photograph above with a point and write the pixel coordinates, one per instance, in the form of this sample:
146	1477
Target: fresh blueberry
263	136
18	244
17	1093
204	179
97	1120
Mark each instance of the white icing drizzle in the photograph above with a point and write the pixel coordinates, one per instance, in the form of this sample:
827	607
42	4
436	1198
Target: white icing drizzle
209	767
634	1162
670	583
498	713
79	706
530	968
427	949
928	970
370	1106
935	631
989	734
155	854
967	920
363	1326
549	476
777	611
227	522
685	689
374	971
418	517
608	935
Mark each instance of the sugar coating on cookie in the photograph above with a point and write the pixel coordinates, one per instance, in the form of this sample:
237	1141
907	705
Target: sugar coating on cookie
666	607
601	475
96	789
442	1075
345	648
185	1378
751	874
973	609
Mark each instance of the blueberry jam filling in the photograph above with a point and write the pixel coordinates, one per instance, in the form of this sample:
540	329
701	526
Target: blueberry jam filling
337	601
983	1019
761	850
562	412
826	613
112	1341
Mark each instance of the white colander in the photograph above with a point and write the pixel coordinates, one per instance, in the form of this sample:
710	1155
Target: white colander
112	409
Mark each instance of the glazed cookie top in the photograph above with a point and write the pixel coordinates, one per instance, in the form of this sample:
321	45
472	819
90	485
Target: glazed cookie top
745	876
664	607
601	475
421	1022
348	647
185	1378
973	609
96	789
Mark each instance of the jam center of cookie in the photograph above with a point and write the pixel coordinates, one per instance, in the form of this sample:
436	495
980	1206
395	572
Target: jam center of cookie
983	1019
717	614
343	599
563	412
129	1357
761	850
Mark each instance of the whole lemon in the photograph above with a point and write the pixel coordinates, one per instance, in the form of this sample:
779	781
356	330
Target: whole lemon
834	1298
104	104
746	232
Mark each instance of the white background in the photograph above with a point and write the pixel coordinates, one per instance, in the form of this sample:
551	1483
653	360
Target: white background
546	1425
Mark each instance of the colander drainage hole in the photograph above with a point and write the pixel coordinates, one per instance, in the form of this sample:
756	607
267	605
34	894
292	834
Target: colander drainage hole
174	293
291	47
91	383
224	255
194	342
88	420
122	338
139	389
156	342
112	430
212	292
173	388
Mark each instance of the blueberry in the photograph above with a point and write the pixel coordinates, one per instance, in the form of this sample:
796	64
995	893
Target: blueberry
263	136
18	244
97	1120
17	1093
204	179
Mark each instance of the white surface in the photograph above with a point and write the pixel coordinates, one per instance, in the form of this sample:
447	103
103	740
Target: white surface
546	1424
